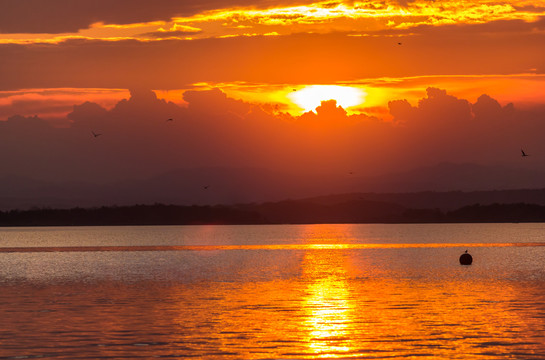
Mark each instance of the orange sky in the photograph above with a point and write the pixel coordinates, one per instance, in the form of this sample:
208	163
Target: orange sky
247	47
283	58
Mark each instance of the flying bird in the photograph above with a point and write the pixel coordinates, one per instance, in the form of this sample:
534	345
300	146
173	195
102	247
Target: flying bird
95	134
170	119
206	187
400	43
523	153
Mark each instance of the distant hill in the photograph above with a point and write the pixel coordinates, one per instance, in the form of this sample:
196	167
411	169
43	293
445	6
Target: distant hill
444	201
301	211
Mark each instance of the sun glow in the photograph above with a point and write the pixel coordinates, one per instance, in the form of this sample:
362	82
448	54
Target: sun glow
310	97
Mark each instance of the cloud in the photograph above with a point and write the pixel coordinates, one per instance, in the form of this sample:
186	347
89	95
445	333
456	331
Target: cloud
28	107
169	34
442	126
438	100
489	109
87	112
63	16
329	109
213	129
53	104
33	124
174	31
530	8
404	2
441	108
439	115
490	27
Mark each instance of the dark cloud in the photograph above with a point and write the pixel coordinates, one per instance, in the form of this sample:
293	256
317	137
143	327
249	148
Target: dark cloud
529	8
168	34
60	16
489	109
438	100
32	124
440	108
329	109
137	141
404	2
213	130
496	26
28	107
442	126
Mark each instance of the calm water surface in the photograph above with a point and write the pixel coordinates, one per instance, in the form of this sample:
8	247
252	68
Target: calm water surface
273	292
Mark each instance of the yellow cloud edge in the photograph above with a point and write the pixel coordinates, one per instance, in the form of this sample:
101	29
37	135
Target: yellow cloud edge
233	22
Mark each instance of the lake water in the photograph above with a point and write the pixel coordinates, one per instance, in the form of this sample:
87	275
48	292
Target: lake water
273	292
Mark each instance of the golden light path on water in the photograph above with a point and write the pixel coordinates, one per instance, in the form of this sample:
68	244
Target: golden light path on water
328	306
262	247
345	320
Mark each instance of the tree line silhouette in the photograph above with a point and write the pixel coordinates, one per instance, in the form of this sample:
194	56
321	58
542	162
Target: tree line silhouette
286	212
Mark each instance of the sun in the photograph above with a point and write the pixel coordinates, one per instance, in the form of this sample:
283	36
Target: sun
310	97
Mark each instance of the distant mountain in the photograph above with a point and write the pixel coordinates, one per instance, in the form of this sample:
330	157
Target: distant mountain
444	201
445	186
307	211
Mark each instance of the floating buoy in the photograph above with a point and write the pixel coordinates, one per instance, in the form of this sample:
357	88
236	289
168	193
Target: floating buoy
466	259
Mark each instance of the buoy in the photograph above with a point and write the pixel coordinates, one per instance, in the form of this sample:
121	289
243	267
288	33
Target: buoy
466	259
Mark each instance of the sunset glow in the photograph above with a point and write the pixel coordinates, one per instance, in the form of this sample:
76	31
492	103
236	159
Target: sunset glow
256	80
320	16
264	179
310	97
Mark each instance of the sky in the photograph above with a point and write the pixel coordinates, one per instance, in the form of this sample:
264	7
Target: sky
366	87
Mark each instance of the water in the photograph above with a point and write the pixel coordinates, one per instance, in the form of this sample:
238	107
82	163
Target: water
273	292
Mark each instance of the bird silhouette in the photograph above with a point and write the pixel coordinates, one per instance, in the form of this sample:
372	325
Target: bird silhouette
170	119
95	134
399	43
523	153
206	187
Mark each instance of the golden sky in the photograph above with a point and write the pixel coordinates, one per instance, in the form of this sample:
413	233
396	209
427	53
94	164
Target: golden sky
380	47
377	59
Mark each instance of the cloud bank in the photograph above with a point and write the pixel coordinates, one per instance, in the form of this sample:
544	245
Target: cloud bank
62	16
138	140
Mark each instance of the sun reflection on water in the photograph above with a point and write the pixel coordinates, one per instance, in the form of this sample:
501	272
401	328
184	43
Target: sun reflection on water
328	306
351	308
